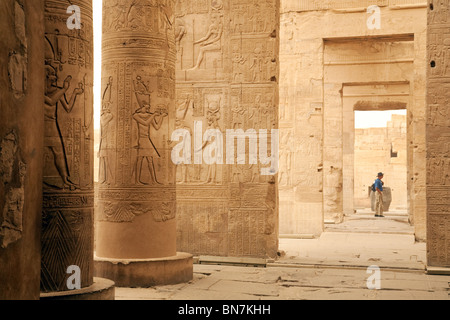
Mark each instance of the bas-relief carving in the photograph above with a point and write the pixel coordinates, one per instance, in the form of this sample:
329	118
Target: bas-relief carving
212	41
127	212
307	5
253	61
438	133
106	117
12	169
200	37
146	120
286	157
68	145
55	97
18	59
242	77
138	100
138	15
68	108
66	240
17	70
252	17
137	104
141	157
12	176
208	106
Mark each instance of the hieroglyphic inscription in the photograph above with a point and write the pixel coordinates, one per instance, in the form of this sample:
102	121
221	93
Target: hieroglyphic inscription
68	206
12	177
138	109
227	73
18	58
438	133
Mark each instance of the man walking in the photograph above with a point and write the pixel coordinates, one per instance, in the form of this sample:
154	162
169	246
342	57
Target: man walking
378	186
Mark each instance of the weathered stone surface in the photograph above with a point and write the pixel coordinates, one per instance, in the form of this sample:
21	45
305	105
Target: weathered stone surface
329	57
67	215
21	145
381	149
227	79
136	221
437	135
101	289
137	199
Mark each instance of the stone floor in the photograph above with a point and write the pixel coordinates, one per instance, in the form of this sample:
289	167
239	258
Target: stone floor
333	267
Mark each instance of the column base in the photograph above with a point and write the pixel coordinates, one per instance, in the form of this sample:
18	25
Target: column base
146	273
102	289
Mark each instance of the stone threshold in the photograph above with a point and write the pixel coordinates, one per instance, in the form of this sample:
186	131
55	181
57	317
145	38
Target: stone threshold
343	267
232	261
271	263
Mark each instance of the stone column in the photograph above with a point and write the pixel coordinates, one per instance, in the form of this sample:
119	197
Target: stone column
21	132
136	234
438	133
68	208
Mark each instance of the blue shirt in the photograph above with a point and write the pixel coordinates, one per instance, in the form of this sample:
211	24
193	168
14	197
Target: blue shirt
379	185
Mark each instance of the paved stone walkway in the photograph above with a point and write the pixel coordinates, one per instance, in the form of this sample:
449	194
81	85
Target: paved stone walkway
335	266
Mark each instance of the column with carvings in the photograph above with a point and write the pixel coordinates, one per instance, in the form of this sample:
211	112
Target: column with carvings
68	201
136	234
227	81
21	141
438	133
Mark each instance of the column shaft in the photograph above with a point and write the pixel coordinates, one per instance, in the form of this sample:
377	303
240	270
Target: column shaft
21	132
67	226
136	217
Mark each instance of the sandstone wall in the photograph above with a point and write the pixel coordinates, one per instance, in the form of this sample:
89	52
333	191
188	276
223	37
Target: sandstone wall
332	64
438	133
227	79
382	150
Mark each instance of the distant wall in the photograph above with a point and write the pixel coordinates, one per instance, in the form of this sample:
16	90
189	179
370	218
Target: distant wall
382	150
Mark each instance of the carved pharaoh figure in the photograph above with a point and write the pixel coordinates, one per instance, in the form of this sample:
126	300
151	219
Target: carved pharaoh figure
147	150
106	117
54	97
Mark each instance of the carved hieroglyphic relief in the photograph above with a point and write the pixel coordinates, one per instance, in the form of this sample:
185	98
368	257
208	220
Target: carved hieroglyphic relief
438	135
307	5
67	227
227	72
12	177
18	59
138	110
21	147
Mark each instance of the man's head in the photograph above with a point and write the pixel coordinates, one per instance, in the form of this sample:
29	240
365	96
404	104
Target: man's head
51	76
381	175
147	108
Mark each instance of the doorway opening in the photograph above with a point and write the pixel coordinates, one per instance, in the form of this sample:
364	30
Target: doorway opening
379	145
